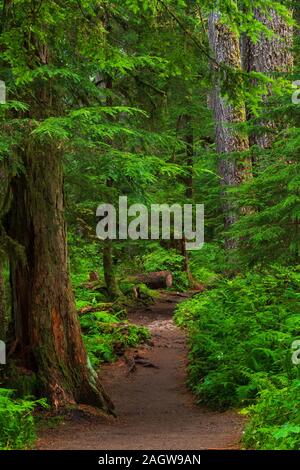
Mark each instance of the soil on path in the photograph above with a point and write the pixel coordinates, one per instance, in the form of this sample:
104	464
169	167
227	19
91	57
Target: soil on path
154	408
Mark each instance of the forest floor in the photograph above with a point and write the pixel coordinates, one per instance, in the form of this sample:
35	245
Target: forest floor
153	406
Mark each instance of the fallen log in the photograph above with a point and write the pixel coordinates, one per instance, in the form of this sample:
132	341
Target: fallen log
104	307
156	280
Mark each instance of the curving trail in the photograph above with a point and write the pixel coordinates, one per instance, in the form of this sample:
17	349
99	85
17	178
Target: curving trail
154	408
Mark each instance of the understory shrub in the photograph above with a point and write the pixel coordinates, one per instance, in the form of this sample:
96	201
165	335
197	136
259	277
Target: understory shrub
240	337
275	418
17	426
106	336
208	264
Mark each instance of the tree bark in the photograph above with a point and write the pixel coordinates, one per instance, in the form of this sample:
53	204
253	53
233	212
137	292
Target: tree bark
187	125
156	280
2	305
226	50
4	205
46	322
268	56
109	272
108	266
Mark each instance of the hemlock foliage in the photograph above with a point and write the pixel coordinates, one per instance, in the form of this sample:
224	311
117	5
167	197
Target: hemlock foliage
127	96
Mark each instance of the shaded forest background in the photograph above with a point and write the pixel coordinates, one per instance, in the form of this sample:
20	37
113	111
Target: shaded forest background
163	101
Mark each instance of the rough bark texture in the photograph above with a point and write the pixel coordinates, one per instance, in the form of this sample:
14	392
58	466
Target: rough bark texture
109	272
157	280
4	205
46	322
273	54
269	56
226	49
2	306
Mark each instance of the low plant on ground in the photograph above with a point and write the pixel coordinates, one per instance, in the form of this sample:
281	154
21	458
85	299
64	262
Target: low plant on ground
17	424
107	336
240	337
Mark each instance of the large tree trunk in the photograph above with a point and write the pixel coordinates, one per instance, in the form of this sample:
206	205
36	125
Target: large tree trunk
226	49
4	204
2	305
46	322
268	56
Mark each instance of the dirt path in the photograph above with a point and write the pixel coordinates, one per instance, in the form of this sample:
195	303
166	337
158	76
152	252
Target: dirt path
155	410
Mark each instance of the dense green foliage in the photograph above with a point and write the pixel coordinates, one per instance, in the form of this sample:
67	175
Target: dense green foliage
121	94
274	420
17	425
241	335
107	336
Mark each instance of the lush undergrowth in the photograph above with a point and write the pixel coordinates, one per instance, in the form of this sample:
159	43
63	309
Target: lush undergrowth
240	336
107	336
206	266
161	259
17	424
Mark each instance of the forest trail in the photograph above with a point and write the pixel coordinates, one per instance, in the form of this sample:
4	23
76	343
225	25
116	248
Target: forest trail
155	410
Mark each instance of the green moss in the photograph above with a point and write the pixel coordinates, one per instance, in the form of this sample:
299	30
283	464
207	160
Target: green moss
106	336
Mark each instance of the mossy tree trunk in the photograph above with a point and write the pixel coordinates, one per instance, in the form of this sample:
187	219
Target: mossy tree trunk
110	278
185	126
5	198
2	305
46	323
47	327
109	271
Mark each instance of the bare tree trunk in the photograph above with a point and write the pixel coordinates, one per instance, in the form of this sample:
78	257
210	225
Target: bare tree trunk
268	56
226	49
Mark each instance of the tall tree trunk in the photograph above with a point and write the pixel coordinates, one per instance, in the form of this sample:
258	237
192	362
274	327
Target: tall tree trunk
108	264
268	56
110	278
4	205
46	323
189	143
2	305
189	140
226	49
109	272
